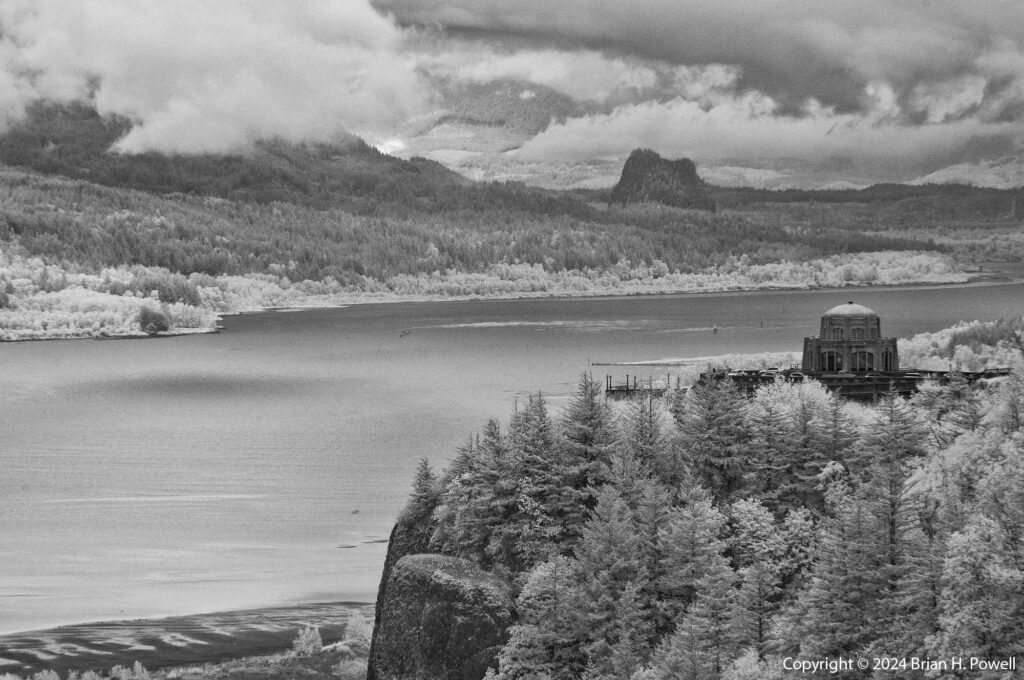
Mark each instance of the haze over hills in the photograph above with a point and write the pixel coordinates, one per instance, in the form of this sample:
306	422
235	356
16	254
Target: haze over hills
1005	173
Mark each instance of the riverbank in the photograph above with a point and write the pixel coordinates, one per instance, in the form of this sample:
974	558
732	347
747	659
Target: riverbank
108	305
175	641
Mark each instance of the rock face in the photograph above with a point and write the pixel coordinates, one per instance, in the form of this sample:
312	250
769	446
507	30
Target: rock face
441	618
646	176
410	535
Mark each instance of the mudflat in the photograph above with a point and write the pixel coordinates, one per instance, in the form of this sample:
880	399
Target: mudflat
173	641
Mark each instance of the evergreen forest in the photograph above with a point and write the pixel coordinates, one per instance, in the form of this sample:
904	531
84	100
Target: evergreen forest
712	534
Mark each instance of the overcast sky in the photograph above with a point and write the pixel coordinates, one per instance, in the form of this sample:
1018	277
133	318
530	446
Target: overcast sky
878	89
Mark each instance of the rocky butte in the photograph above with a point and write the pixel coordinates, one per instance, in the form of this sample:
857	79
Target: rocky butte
646	176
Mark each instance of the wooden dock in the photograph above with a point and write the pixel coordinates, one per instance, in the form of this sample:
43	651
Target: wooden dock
635	386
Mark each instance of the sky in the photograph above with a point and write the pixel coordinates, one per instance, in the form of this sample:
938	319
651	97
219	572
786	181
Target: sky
762	92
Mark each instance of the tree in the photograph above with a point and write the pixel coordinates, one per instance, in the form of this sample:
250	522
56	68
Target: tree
479	495
643	431
547	641
692	547
713	436
153	320
425	492
755	605
982	601
704	642
588	428
550	505
767	423
612	576
841	602
516	501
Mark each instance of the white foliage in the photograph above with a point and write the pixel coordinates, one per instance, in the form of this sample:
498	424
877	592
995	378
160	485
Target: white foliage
308	641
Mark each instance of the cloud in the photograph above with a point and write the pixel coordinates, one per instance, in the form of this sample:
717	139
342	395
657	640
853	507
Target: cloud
202	76
899	87
793	50
586	75
750	128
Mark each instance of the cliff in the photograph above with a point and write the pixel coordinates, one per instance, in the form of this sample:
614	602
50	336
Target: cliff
442	618
646	176
410	535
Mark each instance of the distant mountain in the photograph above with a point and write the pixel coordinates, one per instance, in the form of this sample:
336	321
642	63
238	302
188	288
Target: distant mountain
1005	173
74	141
524	108
646	176
480	122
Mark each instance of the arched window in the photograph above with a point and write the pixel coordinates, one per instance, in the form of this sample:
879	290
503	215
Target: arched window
837	333
858	333
863	361
831	361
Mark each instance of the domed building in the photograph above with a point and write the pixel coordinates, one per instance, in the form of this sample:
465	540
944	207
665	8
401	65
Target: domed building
850	341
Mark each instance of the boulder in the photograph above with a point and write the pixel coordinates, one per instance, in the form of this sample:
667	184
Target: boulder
646	176
441	618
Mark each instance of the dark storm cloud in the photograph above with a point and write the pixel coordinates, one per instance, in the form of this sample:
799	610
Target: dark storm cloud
790	49
895	86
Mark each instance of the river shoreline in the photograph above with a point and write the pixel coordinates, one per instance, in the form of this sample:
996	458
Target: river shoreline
991	277
173	641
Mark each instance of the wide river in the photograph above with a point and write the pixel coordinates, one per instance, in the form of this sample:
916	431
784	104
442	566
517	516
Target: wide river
266	464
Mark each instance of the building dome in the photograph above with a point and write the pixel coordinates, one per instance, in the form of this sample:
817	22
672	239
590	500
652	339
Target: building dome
850	309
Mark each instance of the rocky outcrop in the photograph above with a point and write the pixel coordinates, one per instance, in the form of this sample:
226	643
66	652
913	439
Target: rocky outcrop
410	535
441	618
646	176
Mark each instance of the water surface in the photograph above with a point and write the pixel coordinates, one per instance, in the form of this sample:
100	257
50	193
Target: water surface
265	464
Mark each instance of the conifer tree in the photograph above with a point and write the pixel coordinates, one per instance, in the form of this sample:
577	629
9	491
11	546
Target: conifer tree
982	601
893	447
547	641
770	455
809	427
475	499
425	490
849	582
643	432
692	547
838	431
588	428
753	535
612	576
755	604
713	436
704	642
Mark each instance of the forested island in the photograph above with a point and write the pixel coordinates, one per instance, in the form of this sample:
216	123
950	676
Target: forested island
708	534
90	237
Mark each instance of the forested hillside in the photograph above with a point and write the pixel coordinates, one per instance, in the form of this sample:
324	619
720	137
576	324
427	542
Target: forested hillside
284	224
712	535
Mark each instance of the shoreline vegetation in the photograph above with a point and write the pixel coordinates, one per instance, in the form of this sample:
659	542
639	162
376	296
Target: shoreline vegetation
48	301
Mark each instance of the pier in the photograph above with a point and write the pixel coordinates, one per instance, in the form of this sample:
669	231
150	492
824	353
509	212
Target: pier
636	386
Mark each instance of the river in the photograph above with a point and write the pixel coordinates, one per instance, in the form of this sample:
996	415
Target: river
266	464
